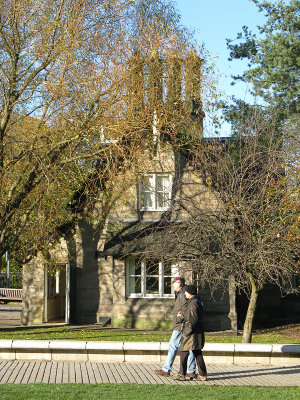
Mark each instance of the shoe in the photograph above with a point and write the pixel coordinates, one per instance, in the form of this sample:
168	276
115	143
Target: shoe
179	377
201	377
161	372
191	375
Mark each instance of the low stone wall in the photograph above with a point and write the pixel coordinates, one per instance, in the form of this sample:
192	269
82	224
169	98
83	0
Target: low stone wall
10	315
146	352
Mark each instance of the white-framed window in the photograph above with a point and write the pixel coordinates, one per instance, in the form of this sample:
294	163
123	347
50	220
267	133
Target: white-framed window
105	138
155	192
149	277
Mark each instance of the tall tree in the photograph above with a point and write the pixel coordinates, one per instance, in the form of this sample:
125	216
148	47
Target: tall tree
243	213
273	55
67	119
261	193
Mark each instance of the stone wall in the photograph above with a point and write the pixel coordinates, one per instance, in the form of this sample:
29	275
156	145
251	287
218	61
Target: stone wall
143	313
33	293
156	313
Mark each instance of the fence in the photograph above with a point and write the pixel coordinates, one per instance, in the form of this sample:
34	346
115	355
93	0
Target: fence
13	281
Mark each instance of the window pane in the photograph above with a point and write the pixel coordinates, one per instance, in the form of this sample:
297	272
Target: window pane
162	183
152	267
134	266
167	268
147	200
135	284
163	190
152	285
147	184
138	268
163	200
175	269
168	285
131	265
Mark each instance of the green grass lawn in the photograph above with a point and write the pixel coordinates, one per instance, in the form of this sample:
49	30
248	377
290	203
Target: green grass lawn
146	392
86	334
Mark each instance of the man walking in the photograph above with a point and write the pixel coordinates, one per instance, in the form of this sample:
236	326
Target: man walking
192	335
180	304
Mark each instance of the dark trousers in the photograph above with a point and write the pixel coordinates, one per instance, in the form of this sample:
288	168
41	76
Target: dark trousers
199	359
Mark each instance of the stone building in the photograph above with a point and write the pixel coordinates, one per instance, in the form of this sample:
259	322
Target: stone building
123	271
120	269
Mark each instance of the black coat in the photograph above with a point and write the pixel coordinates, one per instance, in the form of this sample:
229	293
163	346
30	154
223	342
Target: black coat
192	333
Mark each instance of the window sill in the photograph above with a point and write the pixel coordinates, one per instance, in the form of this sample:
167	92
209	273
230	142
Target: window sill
168	297
155	209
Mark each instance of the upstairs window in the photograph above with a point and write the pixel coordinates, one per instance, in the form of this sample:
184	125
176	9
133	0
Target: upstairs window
105	138
149	277
155	192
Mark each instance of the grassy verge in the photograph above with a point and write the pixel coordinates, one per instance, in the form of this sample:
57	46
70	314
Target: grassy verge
146	392
86	334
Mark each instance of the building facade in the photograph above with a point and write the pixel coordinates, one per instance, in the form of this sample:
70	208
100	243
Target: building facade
122	271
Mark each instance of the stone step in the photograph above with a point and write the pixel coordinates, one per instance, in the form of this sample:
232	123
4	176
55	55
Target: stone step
146	352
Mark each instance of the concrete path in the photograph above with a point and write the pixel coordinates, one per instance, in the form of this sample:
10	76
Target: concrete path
87	372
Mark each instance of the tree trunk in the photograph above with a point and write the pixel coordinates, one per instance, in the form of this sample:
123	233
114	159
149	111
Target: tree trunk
248	325
232	304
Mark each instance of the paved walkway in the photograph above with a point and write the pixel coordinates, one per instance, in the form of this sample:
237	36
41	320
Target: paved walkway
76	372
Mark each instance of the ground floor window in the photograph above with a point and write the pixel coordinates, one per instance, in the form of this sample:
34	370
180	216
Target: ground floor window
149	277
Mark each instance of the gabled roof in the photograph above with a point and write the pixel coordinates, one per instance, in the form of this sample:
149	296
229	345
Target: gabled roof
150	239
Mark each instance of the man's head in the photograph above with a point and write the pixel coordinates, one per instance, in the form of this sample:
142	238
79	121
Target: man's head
178	283
190	291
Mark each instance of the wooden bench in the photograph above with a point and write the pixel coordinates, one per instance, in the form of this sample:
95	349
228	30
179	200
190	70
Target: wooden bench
8	294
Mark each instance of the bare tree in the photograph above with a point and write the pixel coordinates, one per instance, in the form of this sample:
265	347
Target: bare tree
242	222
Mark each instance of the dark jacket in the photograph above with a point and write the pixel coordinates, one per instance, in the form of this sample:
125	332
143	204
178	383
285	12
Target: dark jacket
180	305
192	333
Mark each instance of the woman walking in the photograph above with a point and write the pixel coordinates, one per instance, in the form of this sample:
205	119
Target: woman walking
192	335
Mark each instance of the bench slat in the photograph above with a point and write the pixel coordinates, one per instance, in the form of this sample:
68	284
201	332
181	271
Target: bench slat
10	294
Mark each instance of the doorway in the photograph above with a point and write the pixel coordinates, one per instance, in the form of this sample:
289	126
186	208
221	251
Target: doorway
57	294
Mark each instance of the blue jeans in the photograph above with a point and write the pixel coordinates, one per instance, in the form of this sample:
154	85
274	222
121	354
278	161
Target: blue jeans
173	348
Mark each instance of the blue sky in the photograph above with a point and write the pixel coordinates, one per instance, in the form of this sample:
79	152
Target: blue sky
214	21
